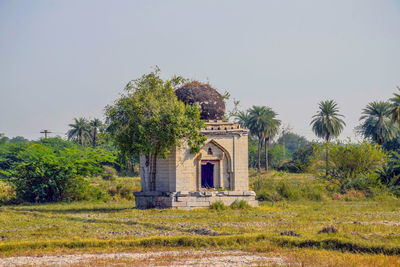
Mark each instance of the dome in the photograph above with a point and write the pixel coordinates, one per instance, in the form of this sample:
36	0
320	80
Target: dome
212	105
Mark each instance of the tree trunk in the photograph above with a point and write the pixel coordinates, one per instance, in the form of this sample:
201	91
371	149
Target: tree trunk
266	155
153	172
145	172
259	154
327	157
94	137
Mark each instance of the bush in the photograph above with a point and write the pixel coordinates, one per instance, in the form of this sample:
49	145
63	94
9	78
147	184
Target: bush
240	205
277	188
218	205
122	191
389	175
7	193
109	173
314	192
348	161
287	190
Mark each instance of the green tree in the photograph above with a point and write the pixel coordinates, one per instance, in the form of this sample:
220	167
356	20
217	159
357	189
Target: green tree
257	126
271	130
149	120
395	110
242	117
95	124
3	139
80	131
263	124
292	142
18	139
327	124
376	123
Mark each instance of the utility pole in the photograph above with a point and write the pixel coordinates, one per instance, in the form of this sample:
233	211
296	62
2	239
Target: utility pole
45	132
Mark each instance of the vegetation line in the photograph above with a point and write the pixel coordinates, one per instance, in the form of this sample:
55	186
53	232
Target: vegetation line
330	243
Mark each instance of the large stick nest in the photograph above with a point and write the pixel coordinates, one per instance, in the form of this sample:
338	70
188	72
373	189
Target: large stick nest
211	103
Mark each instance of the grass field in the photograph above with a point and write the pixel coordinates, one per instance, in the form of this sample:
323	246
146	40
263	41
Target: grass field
368	230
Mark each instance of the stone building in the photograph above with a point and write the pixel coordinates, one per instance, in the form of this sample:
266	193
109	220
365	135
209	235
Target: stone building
218	172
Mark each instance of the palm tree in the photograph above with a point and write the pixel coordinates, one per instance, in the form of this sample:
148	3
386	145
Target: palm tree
377	124
242	117
272	129
95	124
327	124
263	125
395	110
80	131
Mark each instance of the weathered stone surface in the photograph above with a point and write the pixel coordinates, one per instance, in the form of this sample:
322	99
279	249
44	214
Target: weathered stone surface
191	202
178	178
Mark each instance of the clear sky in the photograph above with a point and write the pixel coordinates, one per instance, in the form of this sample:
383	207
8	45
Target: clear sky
66	59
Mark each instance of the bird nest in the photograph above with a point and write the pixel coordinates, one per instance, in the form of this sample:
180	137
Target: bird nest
211	103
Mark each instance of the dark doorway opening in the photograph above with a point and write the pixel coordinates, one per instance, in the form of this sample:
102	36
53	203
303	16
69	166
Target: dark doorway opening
207	175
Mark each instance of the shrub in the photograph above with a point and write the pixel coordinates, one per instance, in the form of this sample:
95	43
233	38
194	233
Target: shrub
348	161
287	190
389	175
126	191
218	205
240	205
314	192
45	176
109	173
282	188
7	193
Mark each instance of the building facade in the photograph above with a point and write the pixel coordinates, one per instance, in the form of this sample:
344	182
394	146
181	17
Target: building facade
218	172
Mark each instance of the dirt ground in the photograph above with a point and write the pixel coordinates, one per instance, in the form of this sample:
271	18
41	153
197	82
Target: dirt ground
165	258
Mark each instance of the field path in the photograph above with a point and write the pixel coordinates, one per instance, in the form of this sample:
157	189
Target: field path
165	258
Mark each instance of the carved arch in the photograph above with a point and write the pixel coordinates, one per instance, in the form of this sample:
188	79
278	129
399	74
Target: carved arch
227	154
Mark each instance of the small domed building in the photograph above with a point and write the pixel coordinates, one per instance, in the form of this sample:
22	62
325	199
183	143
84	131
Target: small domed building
218	172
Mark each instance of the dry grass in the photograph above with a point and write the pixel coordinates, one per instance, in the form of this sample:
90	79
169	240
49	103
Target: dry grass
368	230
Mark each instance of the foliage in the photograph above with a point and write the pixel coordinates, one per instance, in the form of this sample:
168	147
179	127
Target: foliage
18	139
95	125
3	139
243	118
395	107
7	192
281	186
292	142
276	155
42	176
377	125
240	205
349	161
150	120
301	160
109	173
327	124
88	161
218	206
50	169
367	183
80	131
57	143
122	188
389	175
262	123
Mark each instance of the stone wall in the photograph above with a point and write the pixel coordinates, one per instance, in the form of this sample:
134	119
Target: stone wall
192	200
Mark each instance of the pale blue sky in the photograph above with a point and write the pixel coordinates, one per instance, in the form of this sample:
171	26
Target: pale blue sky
66	59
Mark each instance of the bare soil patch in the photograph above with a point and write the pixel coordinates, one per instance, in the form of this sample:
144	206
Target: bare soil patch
165	258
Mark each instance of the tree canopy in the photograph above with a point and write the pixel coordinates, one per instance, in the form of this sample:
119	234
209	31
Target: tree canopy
376	123
149	120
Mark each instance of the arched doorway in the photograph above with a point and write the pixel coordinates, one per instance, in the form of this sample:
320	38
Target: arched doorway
207	175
